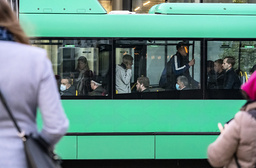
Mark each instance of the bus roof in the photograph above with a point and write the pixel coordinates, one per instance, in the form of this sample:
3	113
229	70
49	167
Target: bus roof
203	9
141	25
61	6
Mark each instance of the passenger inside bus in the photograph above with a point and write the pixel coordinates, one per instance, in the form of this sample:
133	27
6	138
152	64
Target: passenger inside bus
211	76
252	69
96	86
182	83
231	80
219	73
66	87
142	84
82	76
124	74
179	65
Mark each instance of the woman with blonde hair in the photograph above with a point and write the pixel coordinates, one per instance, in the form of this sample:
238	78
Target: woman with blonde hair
27	83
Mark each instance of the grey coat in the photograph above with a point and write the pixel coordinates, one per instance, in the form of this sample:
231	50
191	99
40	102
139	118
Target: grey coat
28	83
123	78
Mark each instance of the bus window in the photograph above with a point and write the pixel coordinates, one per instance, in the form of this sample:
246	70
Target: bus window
150	59
232	60
81	66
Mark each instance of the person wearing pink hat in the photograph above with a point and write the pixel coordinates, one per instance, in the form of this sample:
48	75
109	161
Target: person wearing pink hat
236	145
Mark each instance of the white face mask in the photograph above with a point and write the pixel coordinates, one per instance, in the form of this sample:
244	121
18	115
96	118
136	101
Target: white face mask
63	87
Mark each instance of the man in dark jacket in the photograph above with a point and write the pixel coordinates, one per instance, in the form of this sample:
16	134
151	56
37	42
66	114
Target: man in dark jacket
179	65
142	84
66	89
231	80
97	88
218	68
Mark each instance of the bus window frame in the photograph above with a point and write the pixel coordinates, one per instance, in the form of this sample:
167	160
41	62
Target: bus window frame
185	94
233	94
202	93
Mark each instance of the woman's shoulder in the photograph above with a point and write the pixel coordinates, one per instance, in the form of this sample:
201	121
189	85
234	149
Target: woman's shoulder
20	46
22	51
245	117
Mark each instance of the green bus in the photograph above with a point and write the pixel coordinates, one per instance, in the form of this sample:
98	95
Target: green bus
161	124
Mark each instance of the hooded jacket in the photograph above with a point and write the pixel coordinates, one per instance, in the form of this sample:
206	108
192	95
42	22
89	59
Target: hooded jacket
123	78
238	137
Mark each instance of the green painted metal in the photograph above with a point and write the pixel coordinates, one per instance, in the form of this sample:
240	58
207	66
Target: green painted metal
135	147
143	116
152	9
60	6
187	21
182	147
139	26
204	9
149	115
116	147
67	147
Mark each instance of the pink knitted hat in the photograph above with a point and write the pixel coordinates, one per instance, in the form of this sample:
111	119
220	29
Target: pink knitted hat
250	87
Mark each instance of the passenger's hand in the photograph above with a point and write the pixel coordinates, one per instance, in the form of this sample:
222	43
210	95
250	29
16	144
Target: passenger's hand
221	128
128	66
192	62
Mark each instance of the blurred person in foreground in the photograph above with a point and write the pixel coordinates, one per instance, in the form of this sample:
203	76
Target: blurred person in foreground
235	147
27	83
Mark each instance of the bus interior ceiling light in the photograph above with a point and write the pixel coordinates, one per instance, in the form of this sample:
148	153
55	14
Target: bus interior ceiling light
137	8
144	4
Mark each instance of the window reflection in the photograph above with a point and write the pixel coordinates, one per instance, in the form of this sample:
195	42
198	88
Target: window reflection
236	57
160	63
77	63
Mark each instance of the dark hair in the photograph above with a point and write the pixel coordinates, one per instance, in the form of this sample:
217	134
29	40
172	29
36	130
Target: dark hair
144	80
253	69
230	60
127	58
219	61
181	44
68	78
9	21
210	64
84	60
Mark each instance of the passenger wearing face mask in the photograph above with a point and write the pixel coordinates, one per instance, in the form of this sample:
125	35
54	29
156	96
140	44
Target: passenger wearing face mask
66	89
182	83
179	65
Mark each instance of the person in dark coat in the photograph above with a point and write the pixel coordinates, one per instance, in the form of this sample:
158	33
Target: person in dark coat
219	73
231	80
142	84
211	75
82	76
97	88
66	89
179	65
